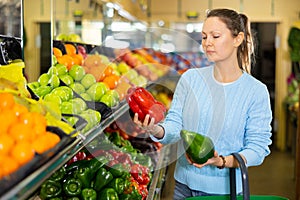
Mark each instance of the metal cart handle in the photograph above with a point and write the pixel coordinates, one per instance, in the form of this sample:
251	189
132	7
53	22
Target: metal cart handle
244	176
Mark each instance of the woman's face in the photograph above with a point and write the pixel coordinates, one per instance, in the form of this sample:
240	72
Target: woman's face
217	40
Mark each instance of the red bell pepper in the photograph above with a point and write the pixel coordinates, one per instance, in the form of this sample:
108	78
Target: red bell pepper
142	102
79	156
143	190
140	173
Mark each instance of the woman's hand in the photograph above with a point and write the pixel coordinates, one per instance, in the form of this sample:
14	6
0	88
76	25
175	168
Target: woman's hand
149	126
215	160
146	124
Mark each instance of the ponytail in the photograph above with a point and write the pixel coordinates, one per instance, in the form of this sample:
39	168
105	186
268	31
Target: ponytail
245	51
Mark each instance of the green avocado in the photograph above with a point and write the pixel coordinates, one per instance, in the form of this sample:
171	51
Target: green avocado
198	147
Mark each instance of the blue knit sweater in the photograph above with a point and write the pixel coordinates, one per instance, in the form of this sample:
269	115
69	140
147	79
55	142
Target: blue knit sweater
236	116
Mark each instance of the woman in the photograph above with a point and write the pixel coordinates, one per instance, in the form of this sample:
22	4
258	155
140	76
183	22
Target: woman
222	101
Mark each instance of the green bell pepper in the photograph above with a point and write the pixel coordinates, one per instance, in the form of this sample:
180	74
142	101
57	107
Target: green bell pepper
108	194
94	164
103	177
118	184
144	160
128	149
115	138
127	143
50	189
132	196
125	197
85	175
98	162
118	169
72	187
198	147
123	144
58	175
89	194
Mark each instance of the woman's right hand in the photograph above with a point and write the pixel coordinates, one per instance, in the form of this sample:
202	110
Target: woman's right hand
148	122
149	125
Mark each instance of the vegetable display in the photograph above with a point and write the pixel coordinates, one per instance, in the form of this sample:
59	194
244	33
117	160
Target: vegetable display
198	147
111	169
52	96
142	102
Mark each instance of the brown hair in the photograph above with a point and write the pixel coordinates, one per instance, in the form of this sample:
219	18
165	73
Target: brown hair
237	23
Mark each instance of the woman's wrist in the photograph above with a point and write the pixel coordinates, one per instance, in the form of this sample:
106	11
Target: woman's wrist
157	131
223	162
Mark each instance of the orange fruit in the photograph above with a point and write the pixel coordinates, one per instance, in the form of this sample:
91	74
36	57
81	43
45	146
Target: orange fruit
52	138
66	60
8	165
18	109
6	144
26	118
40	123
70	49
45	141
21	132
78	59
107	72
112	81
38	129
57	52
38	145
7	118
22	152
6	100
39	119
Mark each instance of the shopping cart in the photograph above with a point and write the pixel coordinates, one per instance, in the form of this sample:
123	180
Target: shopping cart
245	185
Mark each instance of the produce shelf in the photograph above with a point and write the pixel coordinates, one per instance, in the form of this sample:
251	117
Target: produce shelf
30	184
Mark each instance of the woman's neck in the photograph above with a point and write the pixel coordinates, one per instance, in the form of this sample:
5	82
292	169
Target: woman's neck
227	74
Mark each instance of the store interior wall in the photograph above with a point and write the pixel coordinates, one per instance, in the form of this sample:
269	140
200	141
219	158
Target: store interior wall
279	12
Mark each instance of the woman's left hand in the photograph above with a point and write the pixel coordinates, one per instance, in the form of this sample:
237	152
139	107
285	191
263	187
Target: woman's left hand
215	160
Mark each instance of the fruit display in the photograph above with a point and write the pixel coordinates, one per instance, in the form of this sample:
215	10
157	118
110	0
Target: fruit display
143	63
64	88
23	133
92	78
31	133
198	147
87	86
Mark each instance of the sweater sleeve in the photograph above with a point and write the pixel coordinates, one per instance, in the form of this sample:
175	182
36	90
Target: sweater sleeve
173	122
258	128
